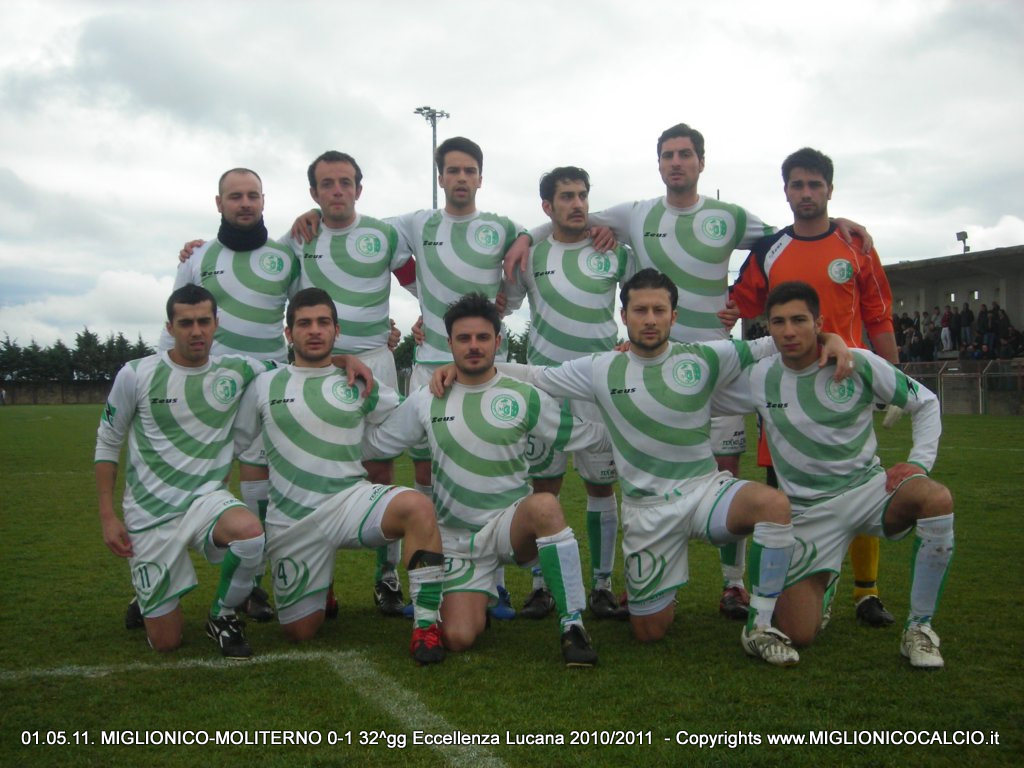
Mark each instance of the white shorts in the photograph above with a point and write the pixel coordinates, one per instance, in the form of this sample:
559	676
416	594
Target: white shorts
471	559
656	533
302	552
382	363
596	467
162	570
823	532
728	435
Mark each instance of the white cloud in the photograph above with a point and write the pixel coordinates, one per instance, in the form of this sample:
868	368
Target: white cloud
116	117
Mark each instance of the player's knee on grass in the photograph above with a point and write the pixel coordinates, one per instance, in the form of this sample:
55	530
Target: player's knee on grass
651	629
165	633
463	618
798	611
459	636
305	628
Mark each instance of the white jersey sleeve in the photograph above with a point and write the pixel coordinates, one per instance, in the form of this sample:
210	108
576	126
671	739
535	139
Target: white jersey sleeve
117	415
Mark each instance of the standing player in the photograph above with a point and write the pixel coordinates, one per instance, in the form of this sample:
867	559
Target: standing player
571	287
458	250
250	276
855	293
320	500
478	435
690	237
177	409
352	257
823	443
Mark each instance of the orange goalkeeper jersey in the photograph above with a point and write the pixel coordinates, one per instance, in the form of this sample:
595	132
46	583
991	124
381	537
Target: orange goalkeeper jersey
852	287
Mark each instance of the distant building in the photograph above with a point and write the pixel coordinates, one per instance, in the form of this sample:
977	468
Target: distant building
980	277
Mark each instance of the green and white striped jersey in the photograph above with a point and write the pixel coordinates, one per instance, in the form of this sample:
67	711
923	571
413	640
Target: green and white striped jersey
455	255
481	438
179	424
572	292
312	424
251	288
821	433
657	410
692	246
354	266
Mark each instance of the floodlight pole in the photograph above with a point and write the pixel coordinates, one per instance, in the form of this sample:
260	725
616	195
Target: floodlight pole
432	115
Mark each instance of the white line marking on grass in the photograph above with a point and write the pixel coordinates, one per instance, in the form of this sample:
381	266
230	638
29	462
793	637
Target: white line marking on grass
354	668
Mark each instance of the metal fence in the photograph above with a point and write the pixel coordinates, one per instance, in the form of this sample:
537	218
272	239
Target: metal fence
974	386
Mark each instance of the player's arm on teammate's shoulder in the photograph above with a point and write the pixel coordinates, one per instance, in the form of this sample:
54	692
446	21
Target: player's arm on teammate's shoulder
306	225
729	315
442	379
354	369
847	230
833	348
603	238
188	249
517	256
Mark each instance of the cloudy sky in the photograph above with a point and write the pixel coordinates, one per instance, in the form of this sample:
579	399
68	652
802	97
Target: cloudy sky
116	119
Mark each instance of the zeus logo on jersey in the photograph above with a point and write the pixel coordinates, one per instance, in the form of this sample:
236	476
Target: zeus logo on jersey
210	273
433	242
770	404
617	391
281	400
162	400
655	234
312	256
545	272
437	419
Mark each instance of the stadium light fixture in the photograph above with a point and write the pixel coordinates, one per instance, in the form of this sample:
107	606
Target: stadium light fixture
432	115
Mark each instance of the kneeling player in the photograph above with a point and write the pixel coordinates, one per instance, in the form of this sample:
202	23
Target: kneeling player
177	409
313	422
823	446
478	434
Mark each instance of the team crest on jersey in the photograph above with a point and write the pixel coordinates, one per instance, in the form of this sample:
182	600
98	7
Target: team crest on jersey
487	236
224	389
687	374
715	228
599	263
368	245
840	271
272	263
344	393
840	391
504	408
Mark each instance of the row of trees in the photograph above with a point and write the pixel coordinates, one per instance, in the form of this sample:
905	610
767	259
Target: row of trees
90	360
94	360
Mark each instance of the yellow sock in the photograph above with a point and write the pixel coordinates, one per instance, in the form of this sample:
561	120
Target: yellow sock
864	559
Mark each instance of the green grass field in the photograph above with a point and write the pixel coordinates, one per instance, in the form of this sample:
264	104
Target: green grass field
70	672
